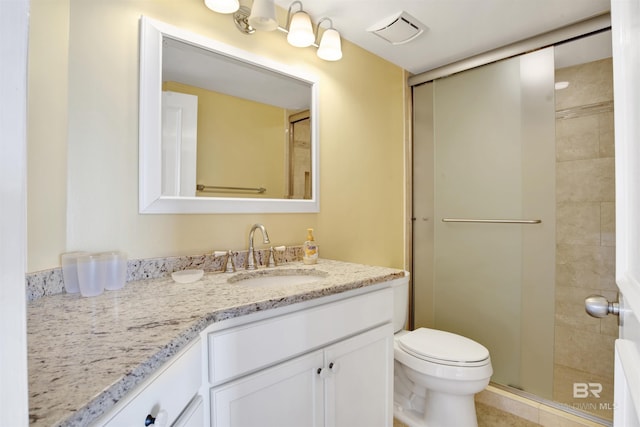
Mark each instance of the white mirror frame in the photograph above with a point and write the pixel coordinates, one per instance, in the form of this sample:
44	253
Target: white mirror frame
151	200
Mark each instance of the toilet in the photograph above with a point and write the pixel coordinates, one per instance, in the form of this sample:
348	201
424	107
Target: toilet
436	373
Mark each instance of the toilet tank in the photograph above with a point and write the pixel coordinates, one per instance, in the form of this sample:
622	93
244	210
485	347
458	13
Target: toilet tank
400	302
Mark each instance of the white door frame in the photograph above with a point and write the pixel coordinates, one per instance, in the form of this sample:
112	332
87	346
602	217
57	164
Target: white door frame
625	23
179	143
14	35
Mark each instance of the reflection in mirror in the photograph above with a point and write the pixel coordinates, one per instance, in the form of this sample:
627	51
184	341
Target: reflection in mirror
222	130
240	135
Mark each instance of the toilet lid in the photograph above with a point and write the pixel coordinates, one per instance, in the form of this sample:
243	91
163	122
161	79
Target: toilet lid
444	348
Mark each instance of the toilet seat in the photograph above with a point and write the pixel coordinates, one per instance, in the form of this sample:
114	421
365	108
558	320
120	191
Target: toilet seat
443	348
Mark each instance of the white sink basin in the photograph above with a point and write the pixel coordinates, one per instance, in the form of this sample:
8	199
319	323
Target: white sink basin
276	278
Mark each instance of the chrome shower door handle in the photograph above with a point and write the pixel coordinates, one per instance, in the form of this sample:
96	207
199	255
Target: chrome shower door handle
598	306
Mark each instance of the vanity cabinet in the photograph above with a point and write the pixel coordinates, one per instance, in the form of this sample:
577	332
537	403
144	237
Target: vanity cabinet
346	384
330	365
326	362
169	395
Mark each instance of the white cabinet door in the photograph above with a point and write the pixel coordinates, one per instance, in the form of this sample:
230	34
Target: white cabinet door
286	395
359	384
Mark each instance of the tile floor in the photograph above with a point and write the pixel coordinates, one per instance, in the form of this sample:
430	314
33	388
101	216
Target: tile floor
498	408
489	416
492	417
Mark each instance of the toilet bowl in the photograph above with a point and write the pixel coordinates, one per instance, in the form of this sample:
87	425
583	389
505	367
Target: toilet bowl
436	373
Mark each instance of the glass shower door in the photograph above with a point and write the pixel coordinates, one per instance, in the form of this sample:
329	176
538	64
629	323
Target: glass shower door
494	154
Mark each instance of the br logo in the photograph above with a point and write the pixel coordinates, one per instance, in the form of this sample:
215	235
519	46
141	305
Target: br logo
584	390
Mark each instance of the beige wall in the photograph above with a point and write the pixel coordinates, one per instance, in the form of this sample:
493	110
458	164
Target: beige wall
47	132
241	143
83	162
585	262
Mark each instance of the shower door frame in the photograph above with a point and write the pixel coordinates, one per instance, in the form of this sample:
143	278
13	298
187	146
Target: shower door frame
589	26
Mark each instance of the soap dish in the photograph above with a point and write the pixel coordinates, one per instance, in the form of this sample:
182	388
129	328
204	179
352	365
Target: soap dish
187	276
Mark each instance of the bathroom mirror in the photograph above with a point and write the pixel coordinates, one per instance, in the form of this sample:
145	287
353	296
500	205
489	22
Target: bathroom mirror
223	130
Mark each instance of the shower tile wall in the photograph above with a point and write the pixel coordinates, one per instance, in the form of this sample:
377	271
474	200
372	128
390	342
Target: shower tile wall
585	239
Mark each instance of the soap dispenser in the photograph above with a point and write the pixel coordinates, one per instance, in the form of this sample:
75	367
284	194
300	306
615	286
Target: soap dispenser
310	249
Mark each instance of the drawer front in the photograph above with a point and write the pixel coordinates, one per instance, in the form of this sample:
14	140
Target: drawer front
169	390
193	415
240	350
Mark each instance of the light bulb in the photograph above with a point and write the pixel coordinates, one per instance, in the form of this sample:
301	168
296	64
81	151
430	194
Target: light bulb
330	48
263	15
300	30
222	6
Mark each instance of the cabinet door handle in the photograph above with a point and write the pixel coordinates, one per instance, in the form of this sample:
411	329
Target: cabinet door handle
159	420
323	373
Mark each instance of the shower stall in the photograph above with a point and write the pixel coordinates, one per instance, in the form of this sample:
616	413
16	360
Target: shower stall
513	218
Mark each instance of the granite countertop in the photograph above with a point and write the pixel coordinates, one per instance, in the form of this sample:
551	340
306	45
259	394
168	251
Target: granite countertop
85	354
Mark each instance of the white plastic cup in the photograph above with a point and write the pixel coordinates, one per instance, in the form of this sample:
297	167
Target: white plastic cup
91	275
69	263
115	270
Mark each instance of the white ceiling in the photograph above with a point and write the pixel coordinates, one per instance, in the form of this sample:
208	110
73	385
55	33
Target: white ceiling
457	29
205	68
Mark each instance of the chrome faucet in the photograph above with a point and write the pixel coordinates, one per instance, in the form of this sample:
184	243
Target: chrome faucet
251	258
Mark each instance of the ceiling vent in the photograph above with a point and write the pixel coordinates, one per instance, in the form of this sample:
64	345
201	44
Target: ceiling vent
398	29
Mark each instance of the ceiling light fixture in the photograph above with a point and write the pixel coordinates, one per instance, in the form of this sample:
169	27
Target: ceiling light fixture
241	19
299	27
223	6
330	46
263	15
